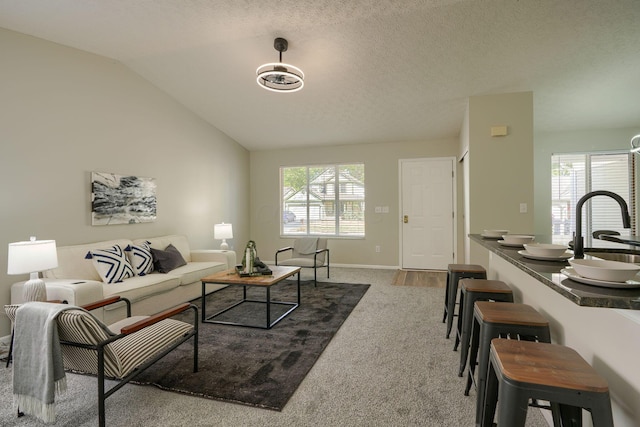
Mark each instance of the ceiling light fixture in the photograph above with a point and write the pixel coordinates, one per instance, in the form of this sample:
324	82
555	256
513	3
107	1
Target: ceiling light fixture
278	76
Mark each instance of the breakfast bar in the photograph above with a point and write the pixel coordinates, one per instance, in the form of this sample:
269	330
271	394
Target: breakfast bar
602	324
549	273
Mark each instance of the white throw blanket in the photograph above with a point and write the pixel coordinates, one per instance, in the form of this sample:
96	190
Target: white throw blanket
38	369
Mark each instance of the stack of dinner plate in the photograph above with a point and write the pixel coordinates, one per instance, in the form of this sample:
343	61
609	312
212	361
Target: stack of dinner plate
494	234
545	252
598	272
516	240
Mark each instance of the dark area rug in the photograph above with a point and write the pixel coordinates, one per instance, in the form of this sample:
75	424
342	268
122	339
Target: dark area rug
258	367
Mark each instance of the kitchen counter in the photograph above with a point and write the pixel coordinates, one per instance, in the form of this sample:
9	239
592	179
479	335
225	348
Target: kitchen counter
607	338
548	273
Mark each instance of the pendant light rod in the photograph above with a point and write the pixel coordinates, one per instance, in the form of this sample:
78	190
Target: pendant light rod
281	45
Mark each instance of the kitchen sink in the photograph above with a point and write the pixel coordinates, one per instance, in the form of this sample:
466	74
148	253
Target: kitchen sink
616	256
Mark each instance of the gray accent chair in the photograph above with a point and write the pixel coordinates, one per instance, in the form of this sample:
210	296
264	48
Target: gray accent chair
306	252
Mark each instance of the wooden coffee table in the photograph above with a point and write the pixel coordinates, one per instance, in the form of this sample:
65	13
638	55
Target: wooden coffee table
231	278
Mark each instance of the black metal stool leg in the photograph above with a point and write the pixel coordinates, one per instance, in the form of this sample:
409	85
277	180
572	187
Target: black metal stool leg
10	356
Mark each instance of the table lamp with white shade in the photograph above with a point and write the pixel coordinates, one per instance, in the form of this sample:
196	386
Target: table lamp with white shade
223	232
32	257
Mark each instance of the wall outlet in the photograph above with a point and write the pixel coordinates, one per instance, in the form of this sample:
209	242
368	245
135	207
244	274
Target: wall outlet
523	208
378	248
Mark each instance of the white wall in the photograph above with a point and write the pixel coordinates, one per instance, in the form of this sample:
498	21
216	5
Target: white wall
65	113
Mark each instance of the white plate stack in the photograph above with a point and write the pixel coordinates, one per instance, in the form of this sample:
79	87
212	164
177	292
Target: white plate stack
494	234
545	252
609	274
516	240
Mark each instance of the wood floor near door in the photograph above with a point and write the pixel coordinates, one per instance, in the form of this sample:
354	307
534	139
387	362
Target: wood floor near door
426	278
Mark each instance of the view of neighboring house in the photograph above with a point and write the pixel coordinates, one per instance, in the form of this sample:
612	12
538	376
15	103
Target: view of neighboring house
328	201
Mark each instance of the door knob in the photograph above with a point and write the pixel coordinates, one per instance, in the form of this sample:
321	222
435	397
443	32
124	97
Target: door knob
405	219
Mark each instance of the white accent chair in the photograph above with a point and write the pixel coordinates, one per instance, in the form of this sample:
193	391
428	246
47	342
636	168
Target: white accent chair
307	252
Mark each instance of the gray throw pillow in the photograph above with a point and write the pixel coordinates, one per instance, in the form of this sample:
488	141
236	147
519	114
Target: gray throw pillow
167	260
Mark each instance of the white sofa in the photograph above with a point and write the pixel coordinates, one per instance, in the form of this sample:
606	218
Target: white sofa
77	281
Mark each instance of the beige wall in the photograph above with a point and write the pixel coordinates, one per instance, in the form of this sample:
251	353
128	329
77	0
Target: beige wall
65	113
501	168
381	187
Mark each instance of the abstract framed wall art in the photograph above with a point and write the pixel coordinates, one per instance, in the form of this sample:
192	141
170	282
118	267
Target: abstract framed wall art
122	199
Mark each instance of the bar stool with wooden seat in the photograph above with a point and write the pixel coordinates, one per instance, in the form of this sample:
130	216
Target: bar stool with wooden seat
473	290
499	319
455	272
521	370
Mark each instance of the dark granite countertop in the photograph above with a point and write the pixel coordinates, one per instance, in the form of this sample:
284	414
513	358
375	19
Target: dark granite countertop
548	273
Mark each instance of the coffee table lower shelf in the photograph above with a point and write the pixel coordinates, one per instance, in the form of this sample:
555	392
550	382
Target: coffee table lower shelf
269	324
267	302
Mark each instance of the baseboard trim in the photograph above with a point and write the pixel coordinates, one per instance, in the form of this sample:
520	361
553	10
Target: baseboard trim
372	267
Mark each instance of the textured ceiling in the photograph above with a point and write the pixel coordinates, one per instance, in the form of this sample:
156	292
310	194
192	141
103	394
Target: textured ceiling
376	70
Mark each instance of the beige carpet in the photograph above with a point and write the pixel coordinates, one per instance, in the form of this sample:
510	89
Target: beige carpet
388	365
425	278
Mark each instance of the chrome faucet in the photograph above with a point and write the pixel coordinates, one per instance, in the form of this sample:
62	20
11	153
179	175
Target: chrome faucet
578	241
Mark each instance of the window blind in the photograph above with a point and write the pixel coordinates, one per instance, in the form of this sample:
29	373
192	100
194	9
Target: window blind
575	174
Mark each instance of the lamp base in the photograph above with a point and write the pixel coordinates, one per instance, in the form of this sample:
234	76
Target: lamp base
224	246
34	290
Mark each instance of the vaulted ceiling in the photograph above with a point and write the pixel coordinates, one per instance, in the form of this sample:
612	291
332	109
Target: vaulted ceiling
375	70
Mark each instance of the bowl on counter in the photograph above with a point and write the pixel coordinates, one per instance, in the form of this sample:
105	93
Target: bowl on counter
494	234
517	239
607	271
545	249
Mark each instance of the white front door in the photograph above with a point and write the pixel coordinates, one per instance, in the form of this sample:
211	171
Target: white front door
427	213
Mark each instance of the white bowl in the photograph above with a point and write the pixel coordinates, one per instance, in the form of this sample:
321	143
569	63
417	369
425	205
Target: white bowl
517	239
608	271
494	233
545	249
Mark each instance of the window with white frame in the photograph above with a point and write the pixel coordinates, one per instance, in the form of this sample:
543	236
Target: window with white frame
575	174
322	200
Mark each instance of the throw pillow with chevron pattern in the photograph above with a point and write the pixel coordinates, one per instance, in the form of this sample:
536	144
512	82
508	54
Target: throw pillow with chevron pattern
140	258
112	264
